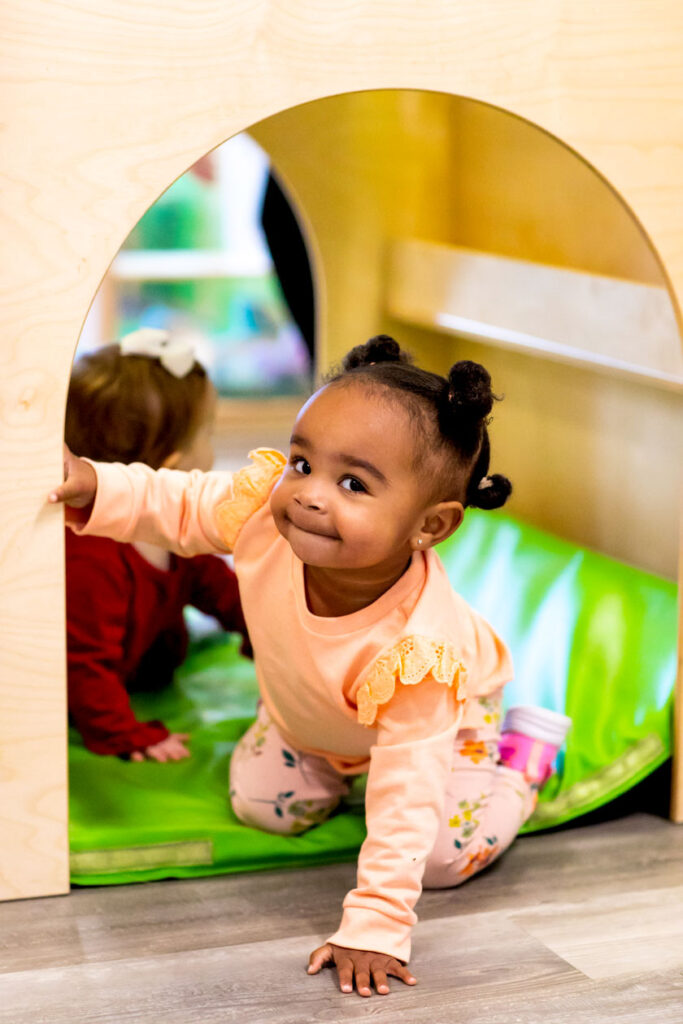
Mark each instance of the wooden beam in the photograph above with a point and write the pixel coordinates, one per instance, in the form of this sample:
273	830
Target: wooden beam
602	323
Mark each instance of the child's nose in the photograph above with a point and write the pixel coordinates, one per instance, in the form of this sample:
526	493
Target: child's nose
310	496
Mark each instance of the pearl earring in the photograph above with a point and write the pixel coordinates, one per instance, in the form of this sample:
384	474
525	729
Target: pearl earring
419	542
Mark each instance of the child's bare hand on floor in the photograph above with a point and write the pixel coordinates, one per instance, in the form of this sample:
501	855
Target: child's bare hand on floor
171	749
361	966
80	483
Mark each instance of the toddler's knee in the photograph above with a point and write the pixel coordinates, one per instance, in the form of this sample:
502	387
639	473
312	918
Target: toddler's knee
266	815
443	873
281	813
448	866
460	851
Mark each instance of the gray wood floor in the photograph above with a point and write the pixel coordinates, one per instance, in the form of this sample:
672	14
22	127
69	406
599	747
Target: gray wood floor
584	925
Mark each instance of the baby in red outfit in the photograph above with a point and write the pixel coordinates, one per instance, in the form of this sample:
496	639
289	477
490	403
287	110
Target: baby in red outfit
145	400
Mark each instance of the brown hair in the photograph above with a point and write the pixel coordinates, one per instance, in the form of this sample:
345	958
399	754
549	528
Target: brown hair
130	409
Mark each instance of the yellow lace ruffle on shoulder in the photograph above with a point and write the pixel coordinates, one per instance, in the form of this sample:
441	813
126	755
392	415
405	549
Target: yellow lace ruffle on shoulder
251	487
408	662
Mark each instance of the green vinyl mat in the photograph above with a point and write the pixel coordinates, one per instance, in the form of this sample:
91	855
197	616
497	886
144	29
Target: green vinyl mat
140	821
588	635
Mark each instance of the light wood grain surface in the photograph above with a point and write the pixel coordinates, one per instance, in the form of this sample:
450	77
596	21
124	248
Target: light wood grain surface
104	105
608	940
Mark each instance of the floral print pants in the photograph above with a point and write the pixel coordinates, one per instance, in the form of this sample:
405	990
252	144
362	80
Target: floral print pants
276	788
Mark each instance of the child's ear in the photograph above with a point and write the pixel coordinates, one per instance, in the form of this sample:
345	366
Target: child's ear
171	461
440	521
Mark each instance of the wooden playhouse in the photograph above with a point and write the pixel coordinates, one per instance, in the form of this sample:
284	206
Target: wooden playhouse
468	174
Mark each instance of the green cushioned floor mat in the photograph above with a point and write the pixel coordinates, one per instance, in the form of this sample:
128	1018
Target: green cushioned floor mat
588	635
141	821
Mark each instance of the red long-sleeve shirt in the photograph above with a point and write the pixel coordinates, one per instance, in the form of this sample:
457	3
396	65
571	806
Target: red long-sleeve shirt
125	632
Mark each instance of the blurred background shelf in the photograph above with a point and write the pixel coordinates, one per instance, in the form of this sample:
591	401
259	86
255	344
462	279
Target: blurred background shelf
604	323
186	264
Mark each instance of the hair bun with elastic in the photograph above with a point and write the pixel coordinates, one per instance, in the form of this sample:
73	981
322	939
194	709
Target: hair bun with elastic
380	349
469	390
491	492
466	401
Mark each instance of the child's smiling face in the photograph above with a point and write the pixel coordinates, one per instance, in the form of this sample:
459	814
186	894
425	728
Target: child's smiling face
350	497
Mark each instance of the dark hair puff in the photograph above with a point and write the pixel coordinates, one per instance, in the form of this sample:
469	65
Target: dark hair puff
492	496
460	404
380	349
467	400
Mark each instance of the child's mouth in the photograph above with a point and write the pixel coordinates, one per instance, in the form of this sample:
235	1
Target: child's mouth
311	528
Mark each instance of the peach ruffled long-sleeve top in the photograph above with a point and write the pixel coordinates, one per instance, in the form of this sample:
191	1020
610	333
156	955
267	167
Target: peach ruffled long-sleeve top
383	689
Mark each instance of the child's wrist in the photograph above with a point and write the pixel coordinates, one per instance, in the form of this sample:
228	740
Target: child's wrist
78	517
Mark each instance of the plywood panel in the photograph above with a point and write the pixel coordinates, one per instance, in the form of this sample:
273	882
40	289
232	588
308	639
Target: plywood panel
104	105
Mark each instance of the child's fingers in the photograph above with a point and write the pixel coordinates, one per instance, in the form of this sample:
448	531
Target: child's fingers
178	753
79	485
345	972
177	743
399	971
75	497
70	491
362	983
170	749
365	965
61	493
175	747
157	753
319	957
380	979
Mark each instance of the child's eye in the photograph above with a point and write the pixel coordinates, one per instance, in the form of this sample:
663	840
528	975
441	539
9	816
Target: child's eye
300	465
353	484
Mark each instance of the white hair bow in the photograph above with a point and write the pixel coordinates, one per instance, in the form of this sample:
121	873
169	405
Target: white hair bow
176	354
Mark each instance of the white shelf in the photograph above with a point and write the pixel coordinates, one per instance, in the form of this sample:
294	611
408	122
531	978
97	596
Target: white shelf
607	324
188	264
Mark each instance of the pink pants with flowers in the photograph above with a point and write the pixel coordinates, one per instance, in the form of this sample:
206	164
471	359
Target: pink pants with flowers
276	788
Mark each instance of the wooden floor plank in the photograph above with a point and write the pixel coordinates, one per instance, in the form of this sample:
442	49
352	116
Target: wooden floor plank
266	981
115	921
608	939
570	927
565	866
483	970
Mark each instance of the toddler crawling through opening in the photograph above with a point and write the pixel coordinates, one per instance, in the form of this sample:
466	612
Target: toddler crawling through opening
366	658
